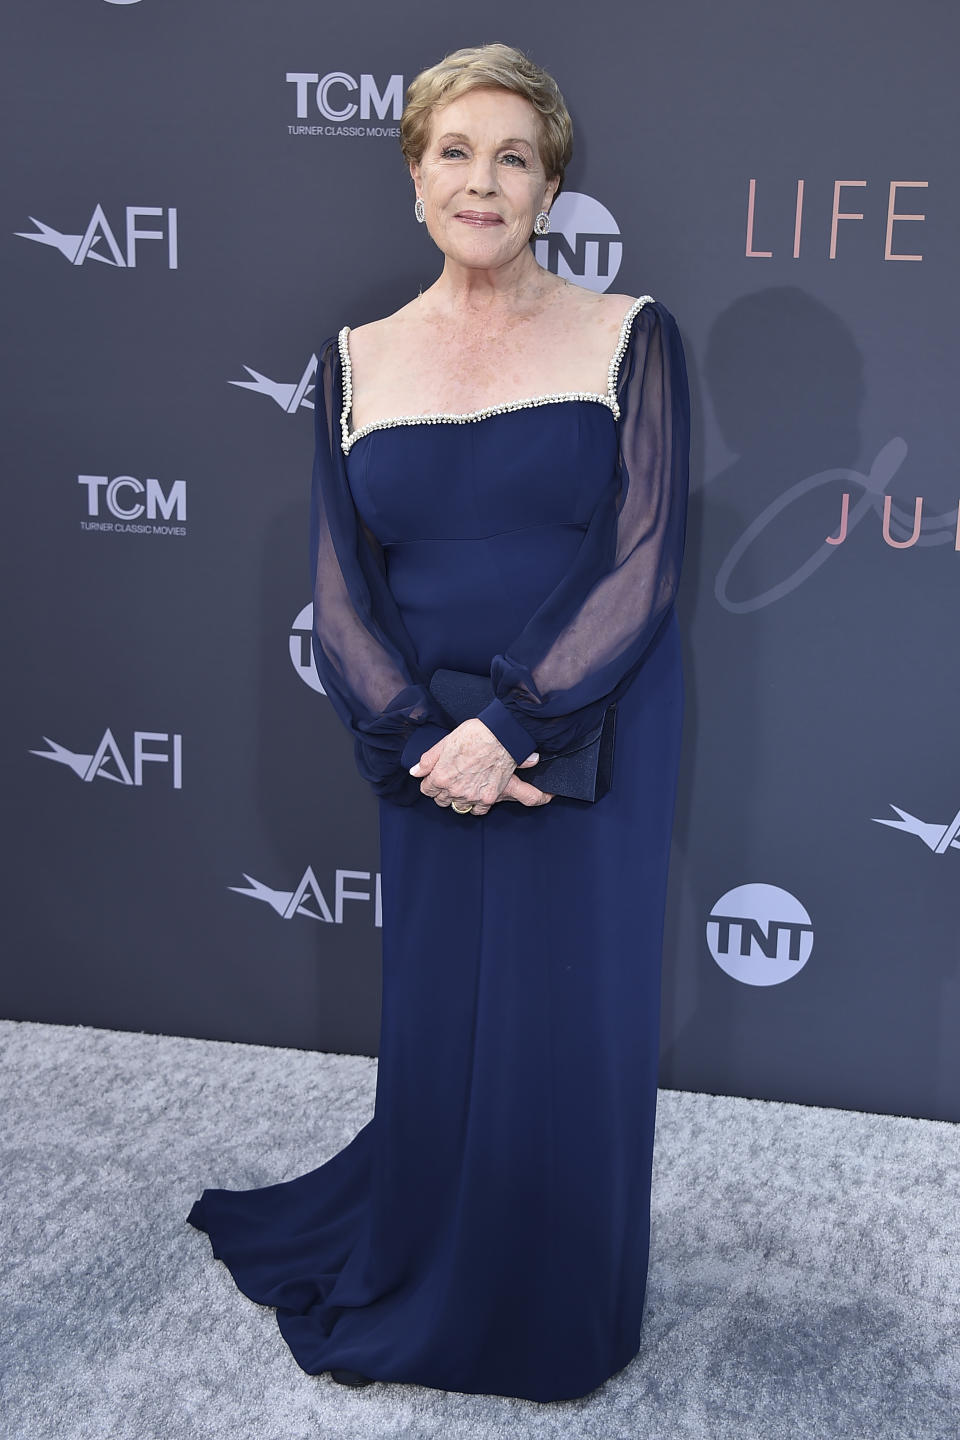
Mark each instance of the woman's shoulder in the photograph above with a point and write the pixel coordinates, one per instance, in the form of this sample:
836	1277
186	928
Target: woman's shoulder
616	306
641	319
595	326
379	337
621	311
626	309
603	317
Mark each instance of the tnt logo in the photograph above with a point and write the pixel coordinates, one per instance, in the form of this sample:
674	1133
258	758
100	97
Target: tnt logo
760	934
99	237
332	95
584	243
106	762
301	649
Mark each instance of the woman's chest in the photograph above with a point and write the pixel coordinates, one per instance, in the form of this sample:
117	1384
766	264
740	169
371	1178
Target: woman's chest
546	464
471	366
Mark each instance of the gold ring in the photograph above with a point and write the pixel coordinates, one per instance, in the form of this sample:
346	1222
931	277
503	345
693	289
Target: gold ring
461	810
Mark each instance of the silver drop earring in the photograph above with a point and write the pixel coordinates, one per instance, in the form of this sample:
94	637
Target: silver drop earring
419	210
541	225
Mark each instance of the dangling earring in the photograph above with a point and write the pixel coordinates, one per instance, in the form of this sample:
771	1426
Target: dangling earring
419	210
542	223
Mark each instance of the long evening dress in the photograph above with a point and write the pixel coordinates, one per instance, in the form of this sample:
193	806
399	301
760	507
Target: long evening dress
487	1231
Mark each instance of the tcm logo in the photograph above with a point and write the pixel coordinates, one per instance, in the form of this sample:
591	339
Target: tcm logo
837	214
301	649
150	747
584	243
309	899
760	934
938	838
100	237
289	395
337	98
127	500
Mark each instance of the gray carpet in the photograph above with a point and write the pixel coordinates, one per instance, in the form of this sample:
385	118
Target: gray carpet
804	1283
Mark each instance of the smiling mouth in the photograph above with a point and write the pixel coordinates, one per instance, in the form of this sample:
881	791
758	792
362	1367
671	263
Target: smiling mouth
479	217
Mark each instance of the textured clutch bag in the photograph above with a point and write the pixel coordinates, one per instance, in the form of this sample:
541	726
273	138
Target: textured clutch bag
582	774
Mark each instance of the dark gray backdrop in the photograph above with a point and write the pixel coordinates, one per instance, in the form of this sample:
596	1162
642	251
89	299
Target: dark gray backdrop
228	888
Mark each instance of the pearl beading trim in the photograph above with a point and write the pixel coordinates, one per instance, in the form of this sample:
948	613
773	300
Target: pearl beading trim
349	438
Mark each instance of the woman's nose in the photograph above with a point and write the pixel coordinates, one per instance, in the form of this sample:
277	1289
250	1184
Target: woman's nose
482	177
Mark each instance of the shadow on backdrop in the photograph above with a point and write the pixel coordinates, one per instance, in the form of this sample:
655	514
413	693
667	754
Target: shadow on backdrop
785	378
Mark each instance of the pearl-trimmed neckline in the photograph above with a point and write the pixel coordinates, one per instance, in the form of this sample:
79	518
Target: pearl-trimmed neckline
349	438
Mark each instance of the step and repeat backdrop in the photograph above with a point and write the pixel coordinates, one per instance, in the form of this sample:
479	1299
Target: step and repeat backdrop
196	197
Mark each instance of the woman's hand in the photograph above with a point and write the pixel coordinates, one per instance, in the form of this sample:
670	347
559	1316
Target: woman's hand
471	766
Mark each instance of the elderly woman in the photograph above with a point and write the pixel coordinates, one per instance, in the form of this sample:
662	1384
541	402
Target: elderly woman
499	492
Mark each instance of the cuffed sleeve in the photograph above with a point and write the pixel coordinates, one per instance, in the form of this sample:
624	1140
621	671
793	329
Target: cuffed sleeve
584	645
508	730
421	739
364	656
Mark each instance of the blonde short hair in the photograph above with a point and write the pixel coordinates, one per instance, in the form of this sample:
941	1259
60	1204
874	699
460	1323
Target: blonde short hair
489	65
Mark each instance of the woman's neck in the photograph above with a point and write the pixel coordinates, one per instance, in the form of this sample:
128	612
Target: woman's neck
467	290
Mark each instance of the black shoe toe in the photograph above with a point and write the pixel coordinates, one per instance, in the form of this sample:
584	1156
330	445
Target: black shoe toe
350	1377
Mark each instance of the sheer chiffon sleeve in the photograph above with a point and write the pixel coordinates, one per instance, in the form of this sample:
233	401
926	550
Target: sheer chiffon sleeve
584	645
364	655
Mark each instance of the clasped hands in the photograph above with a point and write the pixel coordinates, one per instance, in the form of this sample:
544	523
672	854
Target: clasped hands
471	766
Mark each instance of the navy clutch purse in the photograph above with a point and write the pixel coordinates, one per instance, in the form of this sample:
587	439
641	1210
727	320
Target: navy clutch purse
582	774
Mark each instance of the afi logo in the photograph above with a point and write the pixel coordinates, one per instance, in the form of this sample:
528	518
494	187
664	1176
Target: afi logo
119	497
760	934
288	395
938	838
308	898
584	243
301	649
107	762
99	236
332	94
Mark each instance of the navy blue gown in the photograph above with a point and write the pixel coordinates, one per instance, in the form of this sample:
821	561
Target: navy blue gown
487	1231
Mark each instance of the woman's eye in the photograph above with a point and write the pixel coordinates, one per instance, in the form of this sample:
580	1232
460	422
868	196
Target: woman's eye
455	152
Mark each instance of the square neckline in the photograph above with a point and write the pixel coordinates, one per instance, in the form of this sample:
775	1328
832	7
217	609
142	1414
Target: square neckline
440	417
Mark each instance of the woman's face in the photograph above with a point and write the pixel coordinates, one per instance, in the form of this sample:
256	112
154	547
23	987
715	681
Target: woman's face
481	177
